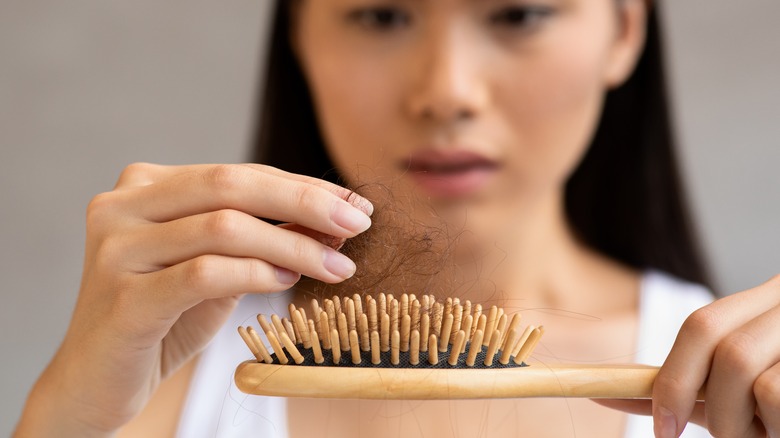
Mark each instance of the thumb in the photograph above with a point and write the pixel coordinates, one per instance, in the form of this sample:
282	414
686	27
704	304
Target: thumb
645	407
639	407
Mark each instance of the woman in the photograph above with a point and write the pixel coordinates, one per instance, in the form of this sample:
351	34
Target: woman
524	123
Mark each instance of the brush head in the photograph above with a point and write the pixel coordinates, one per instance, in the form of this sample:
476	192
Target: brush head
393	333
410	349
403	362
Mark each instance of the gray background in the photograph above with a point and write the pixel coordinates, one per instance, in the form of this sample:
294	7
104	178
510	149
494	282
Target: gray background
88	86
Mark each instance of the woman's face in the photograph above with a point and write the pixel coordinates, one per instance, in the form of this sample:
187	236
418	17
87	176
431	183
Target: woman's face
476	106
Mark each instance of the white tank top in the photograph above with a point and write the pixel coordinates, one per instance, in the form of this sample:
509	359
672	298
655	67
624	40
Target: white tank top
215	408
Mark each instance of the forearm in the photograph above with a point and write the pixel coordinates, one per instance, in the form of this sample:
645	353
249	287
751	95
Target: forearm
51	412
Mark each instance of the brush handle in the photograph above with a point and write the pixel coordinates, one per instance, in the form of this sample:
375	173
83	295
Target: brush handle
537	380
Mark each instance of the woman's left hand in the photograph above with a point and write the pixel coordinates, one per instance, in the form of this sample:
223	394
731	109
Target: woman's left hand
731	350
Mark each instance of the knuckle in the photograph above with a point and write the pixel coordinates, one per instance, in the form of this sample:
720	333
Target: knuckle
257	275
767	391
300	249
99	208
223	224
137	174
201	272
666	383
702	323
224	177
738	350
305	197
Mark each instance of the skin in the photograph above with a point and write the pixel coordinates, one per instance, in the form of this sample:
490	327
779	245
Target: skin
171	248
527	96
169	251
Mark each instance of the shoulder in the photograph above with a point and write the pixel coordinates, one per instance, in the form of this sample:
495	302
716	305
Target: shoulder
665	302
214	405
662	291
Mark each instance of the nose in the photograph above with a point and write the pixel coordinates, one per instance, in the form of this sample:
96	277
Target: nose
448	85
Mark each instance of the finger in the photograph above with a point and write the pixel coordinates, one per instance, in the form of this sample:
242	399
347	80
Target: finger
645	407
767	391
698	416
687	366
342	192
257	193
143	174
173	290
739	359
636	407
325	239
229	233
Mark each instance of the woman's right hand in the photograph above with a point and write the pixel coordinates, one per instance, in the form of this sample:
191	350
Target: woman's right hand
169	251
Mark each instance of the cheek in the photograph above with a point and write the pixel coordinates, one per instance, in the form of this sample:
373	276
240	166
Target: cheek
354	112
553	110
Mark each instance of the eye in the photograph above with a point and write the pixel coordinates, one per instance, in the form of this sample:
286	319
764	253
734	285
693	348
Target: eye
380	18
521	17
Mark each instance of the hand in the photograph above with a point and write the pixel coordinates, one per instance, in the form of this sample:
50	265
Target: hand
731	348
168	253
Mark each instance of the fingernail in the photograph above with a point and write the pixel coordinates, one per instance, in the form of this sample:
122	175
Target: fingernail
286	276
350	218
365	205
667	424
338	264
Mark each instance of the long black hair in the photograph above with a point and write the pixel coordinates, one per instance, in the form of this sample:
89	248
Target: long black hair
626	198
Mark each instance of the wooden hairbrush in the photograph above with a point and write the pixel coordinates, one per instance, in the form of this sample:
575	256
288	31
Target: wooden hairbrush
411	348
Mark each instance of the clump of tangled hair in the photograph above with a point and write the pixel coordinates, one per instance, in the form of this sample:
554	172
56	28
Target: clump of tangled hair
402	254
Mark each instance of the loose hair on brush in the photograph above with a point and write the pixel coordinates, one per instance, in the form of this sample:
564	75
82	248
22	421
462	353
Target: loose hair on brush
625	199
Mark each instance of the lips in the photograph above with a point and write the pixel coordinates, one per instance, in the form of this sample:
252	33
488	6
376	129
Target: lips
451	173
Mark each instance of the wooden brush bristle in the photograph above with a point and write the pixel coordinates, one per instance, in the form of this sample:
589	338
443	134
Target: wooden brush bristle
383	331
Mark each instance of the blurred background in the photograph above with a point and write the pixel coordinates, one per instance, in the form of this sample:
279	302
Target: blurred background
88	86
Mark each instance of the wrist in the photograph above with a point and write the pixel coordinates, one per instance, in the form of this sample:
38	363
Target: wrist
50	411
